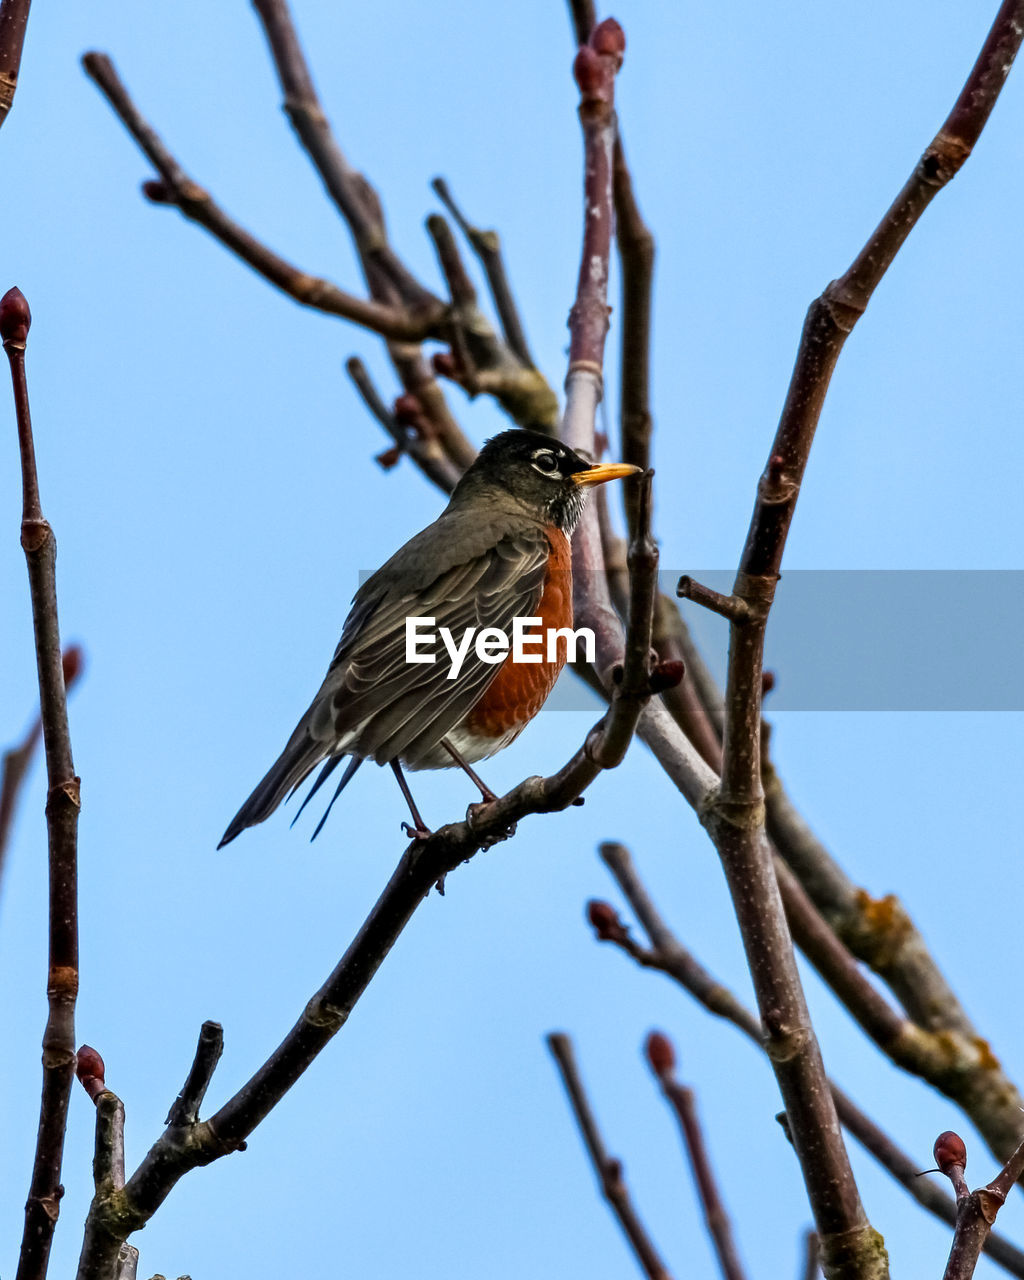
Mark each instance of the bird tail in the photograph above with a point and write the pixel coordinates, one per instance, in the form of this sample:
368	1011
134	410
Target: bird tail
302	754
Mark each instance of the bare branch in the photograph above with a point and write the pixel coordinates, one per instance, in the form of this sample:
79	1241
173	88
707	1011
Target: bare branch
668	955
607	1168
735	818
811	1269
731	607
976	1210
662	1059
13	21
583	15
636	257
62	806
14	764
185	1109
351	193
195	202
487	247
388	280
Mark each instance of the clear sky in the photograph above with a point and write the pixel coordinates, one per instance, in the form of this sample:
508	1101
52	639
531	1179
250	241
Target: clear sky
209	473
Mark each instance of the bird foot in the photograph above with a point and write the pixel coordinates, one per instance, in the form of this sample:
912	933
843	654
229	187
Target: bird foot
416	833
477	811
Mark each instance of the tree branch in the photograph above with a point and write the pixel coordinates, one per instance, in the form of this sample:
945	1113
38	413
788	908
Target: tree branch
195	202
487	247
976	1210
736	816
662	1059
668	955
424	449
62	806
13	21
347	188
185	1109
15	762
608	1169
388	280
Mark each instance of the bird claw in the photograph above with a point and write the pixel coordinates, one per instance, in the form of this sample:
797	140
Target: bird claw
416	833
477	811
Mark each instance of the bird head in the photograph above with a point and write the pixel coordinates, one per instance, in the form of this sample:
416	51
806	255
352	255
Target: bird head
539	472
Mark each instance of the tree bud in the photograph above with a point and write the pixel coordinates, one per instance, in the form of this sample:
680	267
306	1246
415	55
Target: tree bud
15	316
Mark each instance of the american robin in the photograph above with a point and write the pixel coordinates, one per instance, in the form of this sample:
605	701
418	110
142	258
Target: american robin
499	551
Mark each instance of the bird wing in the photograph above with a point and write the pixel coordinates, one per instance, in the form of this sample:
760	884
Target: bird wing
467	569
376	703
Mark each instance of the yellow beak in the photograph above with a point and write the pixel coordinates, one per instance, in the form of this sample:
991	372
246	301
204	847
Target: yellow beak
605	471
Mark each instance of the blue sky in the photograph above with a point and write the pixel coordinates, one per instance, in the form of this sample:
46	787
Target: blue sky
209	473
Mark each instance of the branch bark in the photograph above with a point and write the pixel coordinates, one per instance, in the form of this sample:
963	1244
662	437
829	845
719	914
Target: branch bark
682	1099
668	955
976	1210
735	818
62	806
13	21
608	1168
15	763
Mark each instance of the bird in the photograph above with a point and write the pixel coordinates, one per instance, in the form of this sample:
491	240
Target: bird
500	550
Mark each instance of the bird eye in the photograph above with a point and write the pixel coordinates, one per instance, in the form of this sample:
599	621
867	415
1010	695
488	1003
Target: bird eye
545	462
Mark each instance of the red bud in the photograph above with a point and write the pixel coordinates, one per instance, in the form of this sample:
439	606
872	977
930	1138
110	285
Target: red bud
389	457
15	316
605	921
157	192
660	1054
444	364
667	674
73	659
949	1151
609	39
767	682
407	410
90	1071
589	72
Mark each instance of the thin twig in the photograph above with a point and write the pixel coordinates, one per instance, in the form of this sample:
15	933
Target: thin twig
487	247
583	15
976	1210
108	1160
424	450
388	279
348	189
608	1169
635	245
15	762
195	202
682	1099
185	1109
479	360
62	806
810	1269
13	21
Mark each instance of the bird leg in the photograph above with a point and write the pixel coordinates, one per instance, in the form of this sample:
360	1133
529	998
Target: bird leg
486	793
419	830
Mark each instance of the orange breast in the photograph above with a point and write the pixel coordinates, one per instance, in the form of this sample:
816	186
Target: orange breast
519	690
